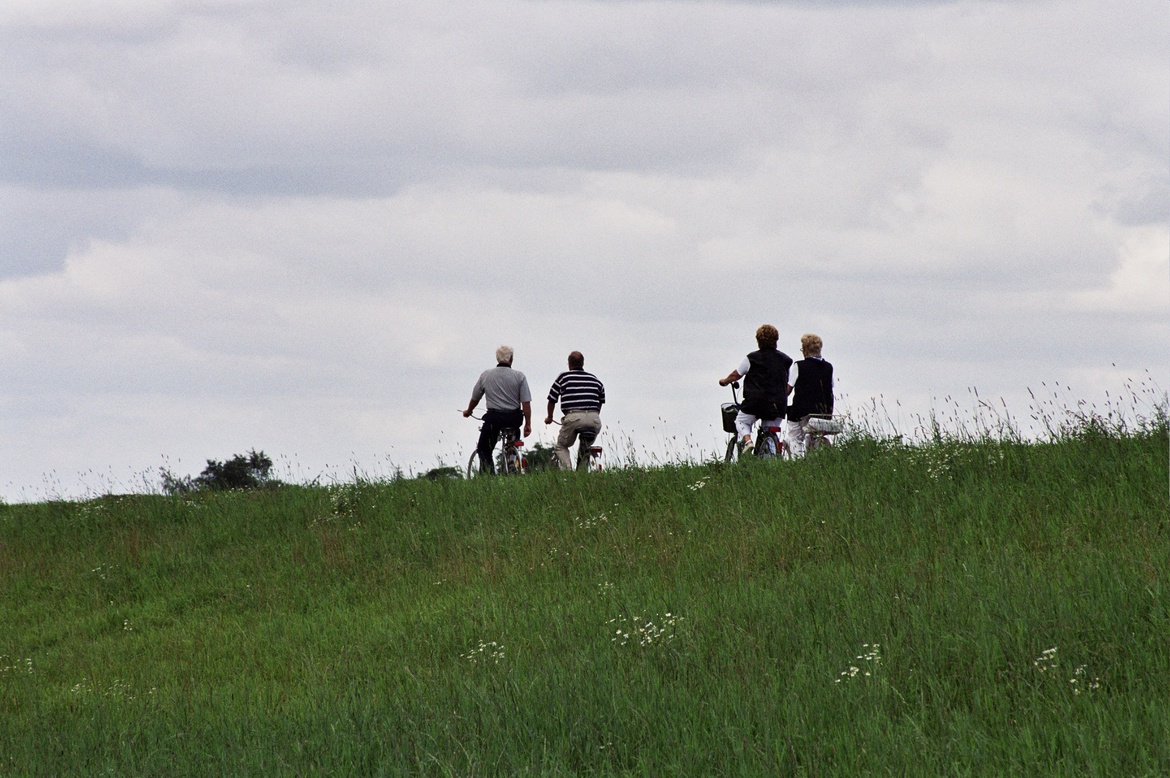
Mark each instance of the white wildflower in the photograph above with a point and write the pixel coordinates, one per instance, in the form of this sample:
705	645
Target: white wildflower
486	651
871	654
645	632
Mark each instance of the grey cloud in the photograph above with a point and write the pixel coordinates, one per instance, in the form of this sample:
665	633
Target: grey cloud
1142	203
593	101
41	226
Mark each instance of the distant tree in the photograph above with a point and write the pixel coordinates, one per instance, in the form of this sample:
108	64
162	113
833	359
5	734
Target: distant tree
541	457
176	484
250	471
239	472
439	473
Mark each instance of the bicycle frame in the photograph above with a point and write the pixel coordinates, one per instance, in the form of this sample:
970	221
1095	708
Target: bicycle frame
509	460
588	454
768	444
821	434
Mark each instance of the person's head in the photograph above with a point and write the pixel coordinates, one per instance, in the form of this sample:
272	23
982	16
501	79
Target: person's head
767	336
810	345
504	355
576	360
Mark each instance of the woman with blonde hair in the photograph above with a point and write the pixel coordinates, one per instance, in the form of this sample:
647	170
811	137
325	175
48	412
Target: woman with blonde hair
812	392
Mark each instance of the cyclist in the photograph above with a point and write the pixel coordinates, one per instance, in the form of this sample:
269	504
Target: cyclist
509	402
765	386
812	392
581	396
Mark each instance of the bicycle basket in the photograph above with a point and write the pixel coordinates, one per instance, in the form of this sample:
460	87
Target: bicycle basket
730	411
826	426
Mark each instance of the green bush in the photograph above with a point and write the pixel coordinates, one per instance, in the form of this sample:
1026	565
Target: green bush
251	471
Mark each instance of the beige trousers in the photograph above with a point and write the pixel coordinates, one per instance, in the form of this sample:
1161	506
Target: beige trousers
574	423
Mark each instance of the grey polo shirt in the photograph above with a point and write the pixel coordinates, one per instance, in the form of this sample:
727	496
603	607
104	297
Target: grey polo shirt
504	388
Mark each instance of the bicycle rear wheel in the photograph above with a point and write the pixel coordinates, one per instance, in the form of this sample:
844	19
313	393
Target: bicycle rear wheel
473	467
767	446
592	456
819	441
510	460
731	449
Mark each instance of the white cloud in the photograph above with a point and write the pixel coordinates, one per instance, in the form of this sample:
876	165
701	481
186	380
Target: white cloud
1141	281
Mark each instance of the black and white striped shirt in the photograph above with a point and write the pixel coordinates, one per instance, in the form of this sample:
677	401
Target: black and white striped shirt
577	391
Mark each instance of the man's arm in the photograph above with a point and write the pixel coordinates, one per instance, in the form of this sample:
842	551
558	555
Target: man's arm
477	392
527	408
554	394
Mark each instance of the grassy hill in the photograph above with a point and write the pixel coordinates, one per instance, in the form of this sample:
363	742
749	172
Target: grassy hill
959	608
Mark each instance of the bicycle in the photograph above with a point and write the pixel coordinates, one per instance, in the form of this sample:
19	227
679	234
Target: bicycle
820	427
509	459
587	452
769	444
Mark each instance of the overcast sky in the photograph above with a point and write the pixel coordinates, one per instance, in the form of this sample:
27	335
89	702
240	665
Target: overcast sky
304	227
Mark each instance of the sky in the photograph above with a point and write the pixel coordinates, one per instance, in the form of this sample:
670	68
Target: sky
303	227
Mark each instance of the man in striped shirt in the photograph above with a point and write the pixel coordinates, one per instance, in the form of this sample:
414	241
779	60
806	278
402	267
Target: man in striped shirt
581	396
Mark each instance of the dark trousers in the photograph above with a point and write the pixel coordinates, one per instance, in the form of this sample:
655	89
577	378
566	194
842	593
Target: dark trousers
493	423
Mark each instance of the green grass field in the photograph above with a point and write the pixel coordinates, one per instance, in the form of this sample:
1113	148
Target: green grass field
962	607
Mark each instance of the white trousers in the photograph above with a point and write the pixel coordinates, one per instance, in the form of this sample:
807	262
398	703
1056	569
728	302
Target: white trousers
745	421
797	437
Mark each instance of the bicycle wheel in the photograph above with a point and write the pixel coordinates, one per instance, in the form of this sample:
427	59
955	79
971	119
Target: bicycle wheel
818	442
592	459
510	461
767	446
473	465
731	447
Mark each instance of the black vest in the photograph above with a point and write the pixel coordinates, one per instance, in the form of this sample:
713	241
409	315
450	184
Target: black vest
766	383
813	392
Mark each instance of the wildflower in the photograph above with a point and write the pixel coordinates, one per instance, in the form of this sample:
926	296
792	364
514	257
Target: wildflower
10	665
591	522
1078	675
1046	660
484	652
871	653
645	632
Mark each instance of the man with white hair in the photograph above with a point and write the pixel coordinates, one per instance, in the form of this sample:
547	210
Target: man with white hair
509	402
